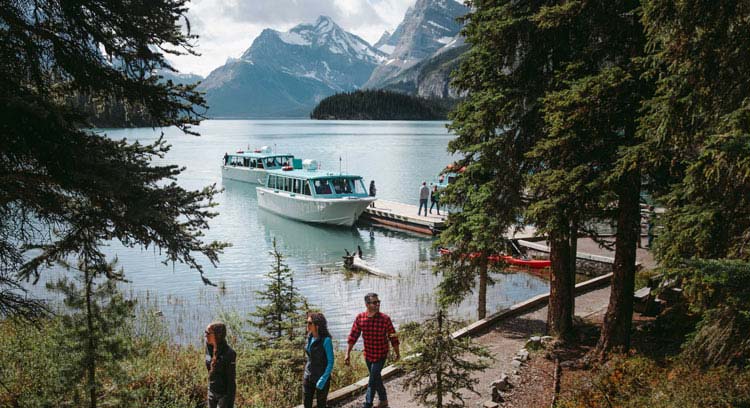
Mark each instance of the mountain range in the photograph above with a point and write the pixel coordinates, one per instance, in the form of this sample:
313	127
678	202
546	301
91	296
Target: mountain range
285	74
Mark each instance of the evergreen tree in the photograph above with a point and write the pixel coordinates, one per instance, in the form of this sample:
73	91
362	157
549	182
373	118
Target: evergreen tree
64	189
590	120
511	65
94	336
698	127
440	366
283	310
697	143
380	105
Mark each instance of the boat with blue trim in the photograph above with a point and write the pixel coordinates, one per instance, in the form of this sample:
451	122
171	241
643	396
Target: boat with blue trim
306	193
251	166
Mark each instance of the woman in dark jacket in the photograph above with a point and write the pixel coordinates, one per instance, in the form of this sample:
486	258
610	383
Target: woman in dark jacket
221	363
319	350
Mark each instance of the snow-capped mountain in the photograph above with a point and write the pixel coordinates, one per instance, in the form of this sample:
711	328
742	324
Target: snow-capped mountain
428	27
287	73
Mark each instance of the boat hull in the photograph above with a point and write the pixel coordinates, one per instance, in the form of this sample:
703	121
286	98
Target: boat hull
246	174
331	211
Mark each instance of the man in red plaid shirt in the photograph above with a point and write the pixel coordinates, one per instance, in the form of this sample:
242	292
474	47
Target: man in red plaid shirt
376	329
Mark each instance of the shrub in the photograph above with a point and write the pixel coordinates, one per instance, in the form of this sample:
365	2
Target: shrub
639	382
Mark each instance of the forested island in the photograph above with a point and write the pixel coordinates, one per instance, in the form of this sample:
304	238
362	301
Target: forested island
380	105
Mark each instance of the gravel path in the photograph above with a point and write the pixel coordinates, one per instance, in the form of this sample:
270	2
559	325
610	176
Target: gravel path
503	341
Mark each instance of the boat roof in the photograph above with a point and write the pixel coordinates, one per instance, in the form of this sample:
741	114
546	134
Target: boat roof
259	155
311	174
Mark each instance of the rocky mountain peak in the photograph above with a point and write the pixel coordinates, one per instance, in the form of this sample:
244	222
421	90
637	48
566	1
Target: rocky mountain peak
428	26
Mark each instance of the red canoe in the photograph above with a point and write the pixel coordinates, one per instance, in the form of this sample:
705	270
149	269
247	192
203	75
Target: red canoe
529	263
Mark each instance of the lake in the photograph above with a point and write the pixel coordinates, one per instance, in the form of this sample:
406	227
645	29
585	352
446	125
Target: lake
397	155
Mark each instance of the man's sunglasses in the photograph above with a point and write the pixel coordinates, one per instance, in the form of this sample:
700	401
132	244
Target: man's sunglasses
374	302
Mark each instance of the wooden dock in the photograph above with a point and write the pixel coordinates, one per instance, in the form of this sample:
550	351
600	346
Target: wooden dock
404	216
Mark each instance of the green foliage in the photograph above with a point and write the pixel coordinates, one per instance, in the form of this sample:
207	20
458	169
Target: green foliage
158	373
439	367
94	334
282	316
640	382
717	291
512	65
698	126
380	105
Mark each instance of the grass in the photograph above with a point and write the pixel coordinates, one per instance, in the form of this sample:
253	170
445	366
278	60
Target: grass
158	373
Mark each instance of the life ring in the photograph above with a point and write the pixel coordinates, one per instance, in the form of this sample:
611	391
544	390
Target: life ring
287	168
240	151
256	151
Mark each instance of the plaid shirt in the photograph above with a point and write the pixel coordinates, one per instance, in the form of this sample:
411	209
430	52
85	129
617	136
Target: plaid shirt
376	331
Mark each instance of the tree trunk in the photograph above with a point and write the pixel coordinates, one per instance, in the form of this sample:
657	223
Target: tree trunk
615	335
482	301
562	282
91	346
439	371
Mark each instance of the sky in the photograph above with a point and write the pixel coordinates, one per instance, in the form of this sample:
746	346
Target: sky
226	28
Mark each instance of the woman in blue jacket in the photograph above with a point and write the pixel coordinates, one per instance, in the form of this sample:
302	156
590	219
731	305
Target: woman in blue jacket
319	350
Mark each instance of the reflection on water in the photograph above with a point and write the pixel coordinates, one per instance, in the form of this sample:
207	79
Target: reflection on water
398	155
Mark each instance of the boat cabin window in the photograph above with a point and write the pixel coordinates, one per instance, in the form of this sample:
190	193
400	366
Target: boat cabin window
339	186
358	186
291	185
322	187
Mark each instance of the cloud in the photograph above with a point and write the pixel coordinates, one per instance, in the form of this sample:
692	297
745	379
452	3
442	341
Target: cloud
275	12
226	28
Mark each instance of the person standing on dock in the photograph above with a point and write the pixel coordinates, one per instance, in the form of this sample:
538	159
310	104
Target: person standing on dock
424	194
435	199
373	191
377	330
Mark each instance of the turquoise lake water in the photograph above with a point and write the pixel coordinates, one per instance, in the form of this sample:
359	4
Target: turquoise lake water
397	155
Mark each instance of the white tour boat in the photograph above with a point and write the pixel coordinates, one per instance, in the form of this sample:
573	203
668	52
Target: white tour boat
252	166
311	195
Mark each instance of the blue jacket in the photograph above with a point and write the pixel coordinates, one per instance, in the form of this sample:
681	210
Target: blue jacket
319	360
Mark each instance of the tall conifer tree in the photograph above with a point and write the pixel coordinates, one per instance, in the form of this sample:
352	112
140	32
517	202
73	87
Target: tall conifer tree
590	121
510	67
698	126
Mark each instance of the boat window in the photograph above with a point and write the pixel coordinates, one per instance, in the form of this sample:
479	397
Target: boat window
271	181
306	187
287	184
342	186
358	187
245	162
322	187
297	185
338	185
